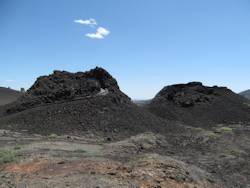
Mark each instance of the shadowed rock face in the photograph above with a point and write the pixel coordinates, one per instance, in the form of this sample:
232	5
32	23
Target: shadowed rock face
65	86
188	95
196	104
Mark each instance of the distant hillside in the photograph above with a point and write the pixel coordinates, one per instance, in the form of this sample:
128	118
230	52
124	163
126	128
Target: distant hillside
8	95
141	102
245	94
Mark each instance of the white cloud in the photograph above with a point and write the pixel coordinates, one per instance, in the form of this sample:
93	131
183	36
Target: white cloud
90	22
9	80
99	34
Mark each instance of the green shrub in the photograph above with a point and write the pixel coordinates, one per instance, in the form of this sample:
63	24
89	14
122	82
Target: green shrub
80	151
235	152
211	134
7	156
17	147
224	130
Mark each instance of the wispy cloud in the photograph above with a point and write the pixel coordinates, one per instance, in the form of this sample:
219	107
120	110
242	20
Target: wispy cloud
90	22
101	33
9	81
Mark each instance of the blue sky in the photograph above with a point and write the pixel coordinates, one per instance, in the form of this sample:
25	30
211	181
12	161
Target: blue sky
145	44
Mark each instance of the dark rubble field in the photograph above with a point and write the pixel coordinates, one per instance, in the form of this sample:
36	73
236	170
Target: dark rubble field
195	158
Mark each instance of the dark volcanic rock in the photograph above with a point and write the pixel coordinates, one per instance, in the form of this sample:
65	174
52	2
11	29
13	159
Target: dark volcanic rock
197	105
64	86
83	102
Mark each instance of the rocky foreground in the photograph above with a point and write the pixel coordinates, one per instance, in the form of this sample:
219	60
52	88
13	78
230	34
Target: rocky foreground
195	158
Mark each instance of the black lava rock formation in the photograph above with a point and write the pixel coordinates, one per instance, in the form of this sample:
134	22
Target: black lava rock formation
64	86
198	105
82	102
